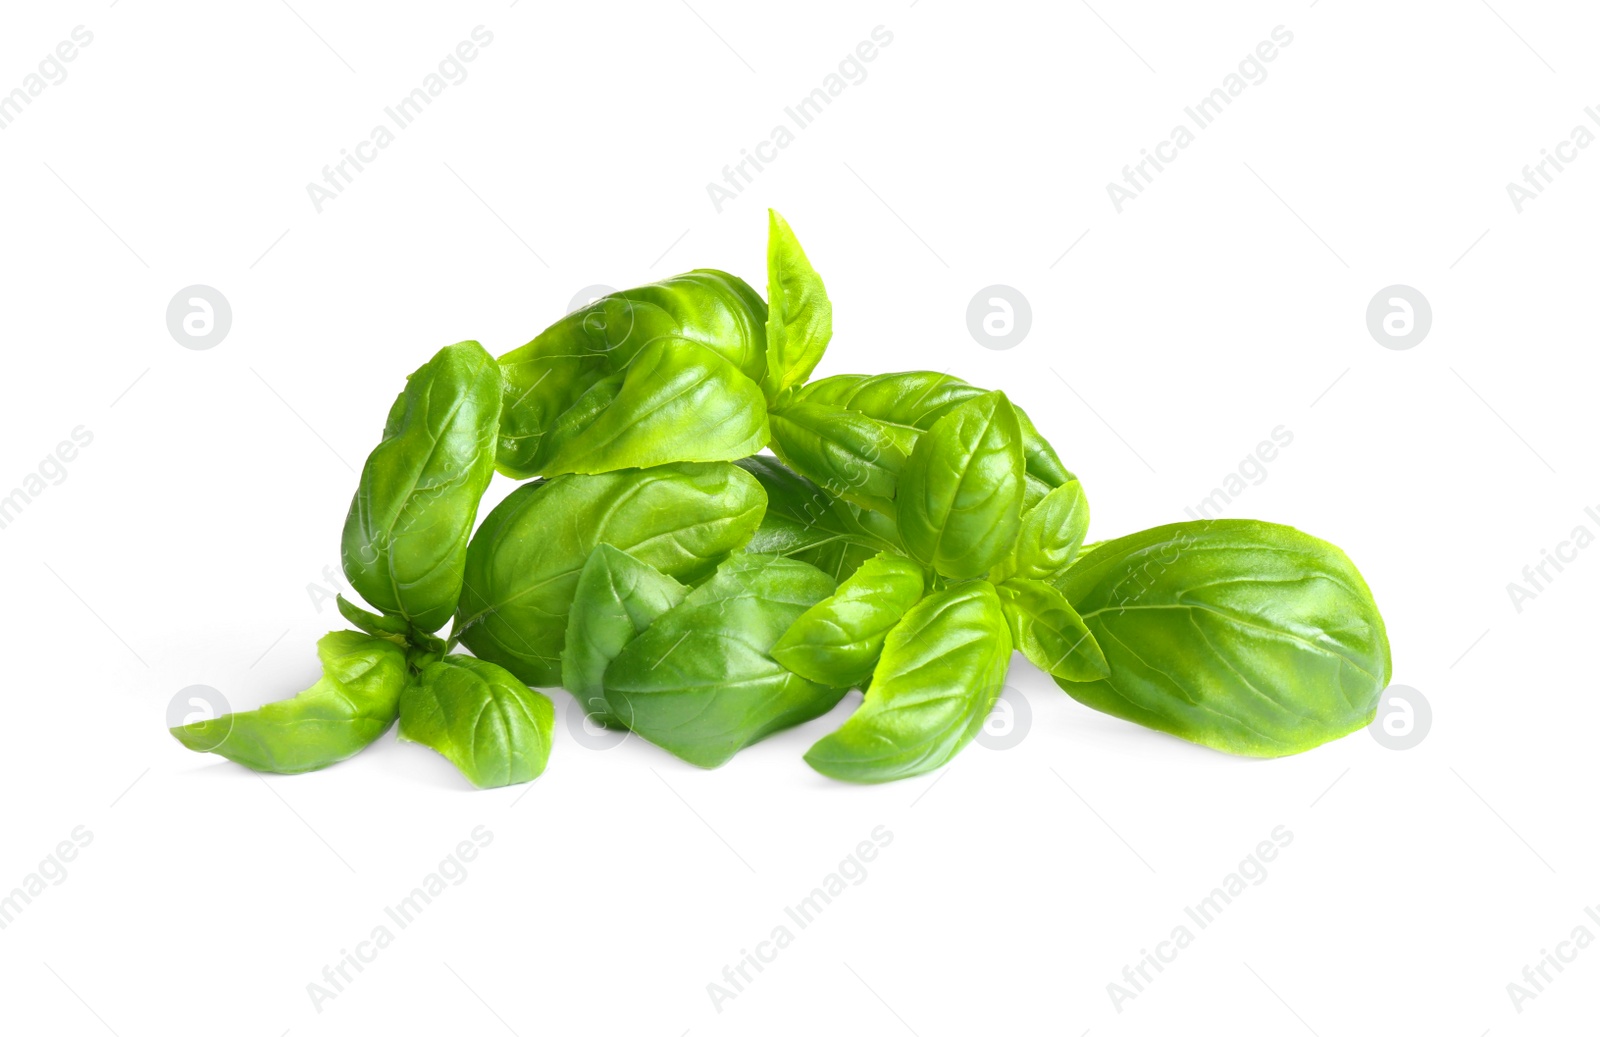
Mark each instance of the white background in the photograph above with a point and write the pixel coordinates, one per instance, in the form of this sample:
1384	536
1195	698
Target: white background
1228	299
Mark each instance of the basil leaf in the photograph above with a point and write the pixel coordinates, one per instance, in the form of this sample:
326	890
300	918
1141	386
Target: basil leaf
481	718
617	597
677	401
917	399
1046	629
405	538
799	315
847	453
803	521
837	641
700	682
524	562
557	371
1244	636
1051	533
960	499
392	627
341	714
941	671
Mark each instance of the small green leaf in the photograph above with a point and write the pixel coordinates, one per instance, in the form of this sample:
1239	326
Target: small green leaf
337	717
960	498
1047	630
1052	531
481	718
837	641
799	315
941	670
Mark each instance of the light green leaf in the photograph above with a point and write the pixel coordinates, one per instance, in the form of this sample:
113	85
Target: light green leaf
837	641
481	718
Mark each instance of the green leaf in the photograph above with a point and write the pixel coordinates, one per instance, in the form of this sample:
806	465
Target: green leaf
1052	531
405	538
393	627
524	562
345	711
940	673
677	401
837	641
700	681
917	399
1046	629
617	597
960	500
848	454
805	522
481	718
799	315
1244	636
550	383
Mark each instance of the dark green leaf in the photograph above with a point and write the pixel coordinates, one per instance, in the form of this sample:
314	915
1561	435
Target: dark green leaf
617	597
701	683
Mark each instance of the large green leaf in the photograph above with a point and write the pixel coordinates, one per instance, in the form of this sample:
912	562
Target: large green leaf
353	703
617	597
937	680
677	401
554	390
1244	636
838	640
524	561
960	499
482	719
917	399
405	538
700	681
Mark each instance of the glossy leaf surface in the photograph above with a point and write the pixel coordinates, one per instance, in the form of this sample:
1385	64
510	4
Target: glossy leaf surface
345	711
1245	636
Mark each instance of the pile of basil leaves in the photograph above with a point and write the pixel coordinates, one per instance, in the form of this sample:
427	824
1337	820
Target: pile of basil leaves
911	532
